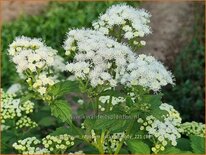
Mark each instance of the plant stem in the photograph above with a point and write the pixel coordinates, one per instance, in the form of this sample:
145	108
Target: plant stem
126	134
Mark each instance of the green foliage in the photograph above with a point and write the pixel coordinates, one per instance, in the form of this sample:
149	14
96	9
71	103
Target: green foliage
109	124
64	87
184	144
47	121
173	150
61	110
198	144
63	130
138	147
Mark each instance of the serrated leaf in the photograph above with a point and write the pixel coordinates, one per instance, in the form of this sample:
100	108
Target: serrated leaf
103	123
61	110
63	87
138	147
109	122
197	144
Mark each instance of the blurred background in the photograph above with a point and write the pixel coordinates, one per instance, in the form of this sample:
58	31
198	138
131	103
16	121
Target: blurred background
177	40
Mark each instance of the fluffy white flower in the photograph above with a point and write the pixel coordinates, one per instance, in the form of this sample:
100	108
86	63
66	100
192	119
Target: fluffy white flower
133	21
32	55
23	43
14	88
98	58
147	72
58	64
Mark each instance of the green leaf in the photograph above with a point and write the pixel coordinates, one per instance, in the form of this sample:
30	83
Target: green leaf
197	144
47	121
173	150
89	123
129	101
112	93
153	100
61	110
63	130
184	144
103	123
109	122
61	88
138	147
158	113
27	97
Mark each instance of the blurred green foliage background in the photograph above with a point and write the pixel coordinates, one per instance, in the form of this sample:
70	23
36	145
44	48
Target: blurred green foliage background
188	94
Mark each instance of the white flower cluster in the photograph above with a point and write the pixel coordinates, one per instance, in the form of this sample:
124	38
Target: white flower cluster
31	54
58	143
49	144
102	60
146	71
29	146
193	128
164	132
106	100
112	141
27	107
36	62
173	115
14	89
25	122
11	107
131	23
42	82
58	64
96	57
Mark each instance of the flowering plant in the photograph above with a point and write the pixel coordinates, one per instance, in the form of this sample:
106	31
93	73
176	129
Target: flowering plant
118	94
